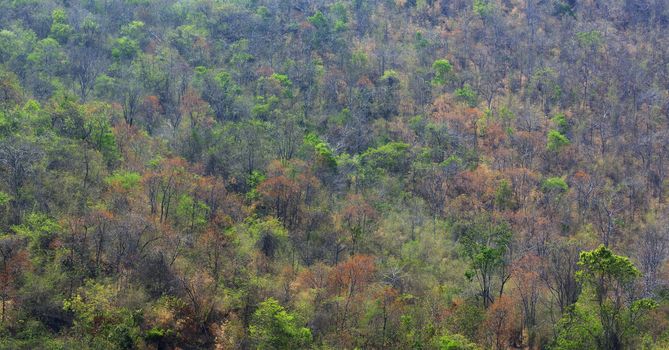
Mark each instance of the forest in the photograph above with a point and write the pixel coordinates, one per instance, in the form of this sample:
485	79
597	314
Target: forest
332	174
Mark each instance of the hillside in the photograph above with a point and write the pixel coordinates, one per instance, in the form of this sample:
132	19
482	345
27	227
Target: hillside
319	174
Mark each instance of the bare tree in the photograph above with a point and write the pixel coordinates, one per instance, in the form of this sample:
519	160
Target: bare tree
17	161
559	273
652	249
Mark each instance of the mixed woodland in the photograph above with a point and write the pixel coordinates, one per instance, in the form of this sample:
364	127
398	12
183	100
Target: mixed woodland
321	174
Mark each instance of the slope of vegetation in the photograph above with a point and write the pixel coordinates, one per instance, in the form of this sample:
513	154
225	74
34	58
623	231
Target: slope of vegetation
294	174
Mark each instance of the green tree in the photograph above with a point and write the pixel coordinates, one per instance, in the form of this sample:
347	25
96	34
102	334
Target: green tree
391	156
606	316
220	90
455	342
321	34
125	49
467	95
442	69
272	327
40	231
100	321
504	195
554	184
60	30
486	244
556	141
47	60
483	8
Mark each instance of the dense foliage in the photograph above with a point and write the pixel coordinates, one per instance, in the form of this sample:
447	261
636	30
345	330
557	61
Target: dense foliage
285	174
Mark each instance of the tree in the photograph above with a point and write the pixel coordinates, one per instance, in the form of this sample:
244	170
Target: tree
100	321
60	30
500	325
357	217
347	282
86	57
13	262
272	327
220	91
558	273
18	159
607	206
282	192
47	61
467	95
528	293
455	342
486	245
556	141
608	281
150	111
442	69
387	95
652	252
321	33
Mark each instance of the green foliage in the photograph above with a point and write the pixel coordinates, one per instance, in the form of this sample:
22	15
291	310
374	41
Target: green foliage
340	13
282	79
255	178
285	83
104	85
455	342
322	25
422	43
272	327
467	95
125	49
504	195
322	150
240	54
554	184
342	117
545	82
466	320
100	321
225	83
453	161
600	267
4	124
602	319
590	38
60	30
192	213
41	231
483	8
219	89
264	107
561	122
556	141
126	180
100	135
391	156
270	235
34	335
576	329
442	69
4	199
485	245
318	20
390	77
134	30
48	56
